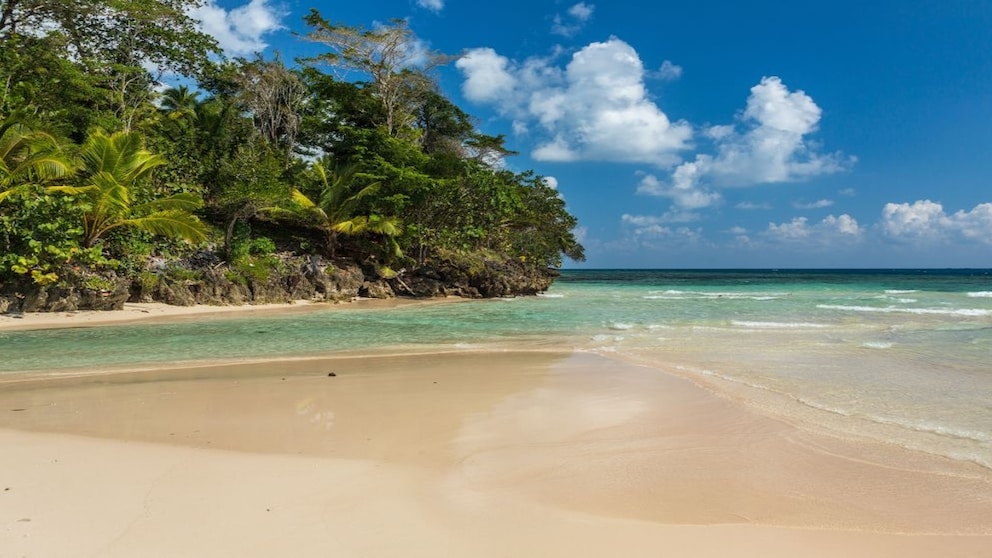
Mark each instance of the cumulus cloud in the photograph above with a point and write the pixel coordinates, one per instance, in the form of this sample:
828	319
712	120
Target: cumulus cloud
596	108
487	76
432	5
575	19
768	144
239	31
829	230
927	221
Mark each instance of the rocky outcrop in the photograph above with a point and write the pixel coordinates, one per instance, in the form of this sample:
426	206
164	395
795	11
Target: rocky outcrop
489	278
83	290
294	278
205	279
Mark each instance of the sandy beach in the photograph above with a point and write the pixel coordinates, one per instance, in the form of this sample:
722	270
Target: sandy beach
457	454
150	312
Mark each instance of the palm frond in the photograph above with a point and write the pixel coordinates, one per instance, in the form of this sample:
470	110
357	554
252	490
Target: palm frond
172	223
355	225
184	202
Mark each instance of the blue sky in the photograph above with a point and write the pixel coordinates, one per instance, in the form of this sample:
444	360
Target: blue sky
717	133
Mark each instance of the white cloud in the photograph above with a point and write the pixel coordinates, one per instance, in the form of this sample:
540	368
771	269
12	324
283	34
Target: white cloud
432	5
819	204
772	147
487	78
752	205
681	191
578	15
596	108
581	11
669	71
826	232
648	226
551	182
925	220
239	31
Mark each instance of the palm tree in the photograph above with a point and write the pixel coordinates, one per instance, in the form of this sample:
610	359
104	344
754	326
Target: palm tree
180	102
334	212
28	158
111	166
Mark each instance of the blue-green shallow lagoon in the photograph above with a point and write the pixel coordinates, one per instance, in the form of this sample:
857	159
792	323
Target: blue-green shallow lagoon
902	356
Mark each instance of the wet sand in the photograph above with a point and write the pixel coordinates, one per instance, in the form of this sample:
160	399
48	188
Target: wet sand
459	454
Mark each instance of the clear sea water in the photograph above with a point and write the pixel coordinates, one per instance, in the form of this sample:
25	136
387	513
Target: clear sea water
899	356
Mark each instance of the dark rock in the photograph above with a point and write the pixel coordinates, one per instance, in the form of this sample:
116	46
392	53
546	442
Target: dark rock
376	289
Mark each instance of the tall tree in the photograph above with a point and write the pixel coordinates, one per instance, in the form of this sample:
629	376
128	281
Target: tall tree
389	56
114	41
274	96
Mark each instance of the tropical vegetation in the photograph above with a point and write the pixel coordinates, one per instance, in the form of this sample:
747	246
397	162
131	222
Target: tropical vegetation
102	170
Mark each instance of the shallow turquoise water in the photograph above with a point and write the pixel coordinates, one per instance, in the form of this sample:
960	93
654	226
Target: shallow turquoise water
900	356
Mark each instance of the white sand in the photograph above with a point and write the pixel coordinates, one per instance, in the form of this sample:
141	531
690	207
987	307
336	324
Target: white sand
488	454
159	312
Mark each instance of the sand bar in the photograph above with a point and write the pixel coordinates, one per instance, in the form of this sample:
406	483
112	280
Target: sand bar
153	312
474	454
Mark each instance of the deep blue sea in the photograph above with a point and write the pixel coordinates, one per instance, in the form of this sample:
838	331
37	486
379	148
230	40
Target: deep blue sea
903	356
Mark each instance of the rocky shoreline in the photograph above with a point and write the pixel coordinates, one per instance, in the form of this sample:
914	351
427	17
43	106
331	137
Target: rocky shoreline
207	280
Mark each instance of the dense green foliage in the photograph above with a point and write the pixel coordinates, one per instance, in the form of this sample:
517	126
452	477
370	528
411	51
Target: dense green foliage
98	169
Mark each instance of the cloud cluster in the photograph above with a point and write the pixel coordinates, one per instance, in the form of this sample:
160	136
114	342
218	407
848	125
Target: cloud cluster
240	31
577	16
645	227
926	221
920	223
830	229
595	109
768	144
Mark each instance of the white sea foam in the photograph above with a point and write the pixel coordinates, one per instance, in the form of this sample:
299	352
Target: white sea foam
971	312
550	295
683	295
898	291
620	326
934	428
901	300
877	345
776	325
981	294
715	374
603	338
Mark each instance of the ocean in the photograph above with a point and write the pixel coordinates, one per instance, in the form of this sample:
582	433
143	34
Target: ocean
898	356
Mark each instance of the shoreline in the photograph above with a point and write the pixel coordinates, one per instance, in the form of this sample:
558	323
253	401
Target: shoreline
158	312
472	453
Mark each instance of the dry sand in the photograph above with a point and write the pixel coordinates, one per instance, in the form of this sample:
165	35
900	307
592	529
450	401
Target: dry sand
159	312
464	454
